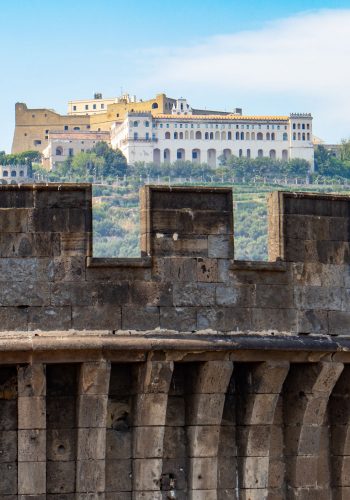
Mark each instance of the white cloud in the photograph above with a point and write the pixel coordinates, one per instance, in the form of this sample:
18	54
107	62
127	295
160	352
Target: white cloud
304	58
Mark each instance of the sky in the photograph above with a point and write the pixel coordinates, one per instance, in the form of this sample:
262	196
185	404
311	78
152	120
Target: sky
267	57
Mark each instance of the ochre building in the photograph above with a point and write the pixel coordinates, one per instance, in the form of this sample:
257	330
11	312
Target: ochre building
181	374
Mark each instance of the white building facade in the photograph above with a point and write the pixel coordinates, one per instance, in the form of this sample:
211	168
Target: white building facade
14	174
143	137
63	145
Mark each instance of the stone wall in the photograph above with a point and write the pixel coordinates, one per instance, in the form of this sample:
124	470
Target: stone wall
183	373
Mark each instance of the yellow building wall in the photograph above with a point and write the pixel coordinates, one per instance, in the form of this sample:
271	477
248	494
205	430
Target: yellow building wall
116	112
33	124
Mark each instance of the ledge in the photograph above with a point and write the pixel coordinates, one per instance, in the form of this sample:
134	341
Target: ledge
99	262
251	265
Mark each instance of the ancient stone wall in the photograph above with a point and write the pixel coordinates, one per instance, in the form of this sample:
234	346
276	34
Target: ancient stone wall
182	374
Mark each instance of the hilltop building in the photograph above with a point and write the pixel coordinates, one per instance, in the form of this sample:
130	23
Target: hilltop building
205	138
162	130
63	145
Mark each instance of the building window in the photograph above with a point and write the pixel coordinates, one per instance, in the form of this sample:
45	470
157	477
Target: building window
240	153
86	106
87	126
146	124
308	136
74	108
76	128
237	136
135	136
181	135
308	126
229	136
175	135
154	105
260	153
272	136
102	106
198	135
21	173
303	136
71	152
294	136
285	136
242	136
37	142
303	126
248	153
194	155
66	127
294	126
259	136
268	136
5	173
167	135
13	173
59	151
147	136
136	124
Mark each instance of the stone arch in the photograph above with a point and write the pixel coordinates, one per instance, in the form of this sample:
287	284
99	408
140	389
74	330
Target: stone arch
181	135
191	135
217	135
211	157
272	154
247	136
186	134
285	154
259	136
59	151
156	156
268	136
252	136
260	153
198	134
223	136
167	135
211	135
227	153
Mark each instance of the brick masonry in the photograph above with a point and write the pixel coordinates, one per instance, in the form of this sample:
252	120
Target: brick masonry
182	374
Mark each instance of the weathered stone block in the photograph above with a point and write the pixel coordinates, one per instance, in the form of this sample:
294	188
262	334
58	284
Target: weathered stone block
147	474
203	440
92	410
31	413
8	483
194	294
140	318
118	477
60	477
91	443
61	444
31	445
31	478
207	270
148	442
118	444
90	476
178	318
97	317
220	247
150	409
236	296
202	473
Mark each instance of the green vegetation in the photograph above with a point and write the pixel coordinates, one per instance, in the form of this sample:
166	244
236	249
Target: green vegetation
116	187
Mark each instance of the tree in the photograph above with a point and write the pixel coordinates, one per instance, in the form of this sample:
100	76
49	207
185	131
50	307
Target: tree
114	161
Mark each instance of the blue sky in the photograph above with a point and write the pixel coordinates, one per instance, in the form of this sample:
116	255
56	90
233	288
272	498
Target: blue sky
266	57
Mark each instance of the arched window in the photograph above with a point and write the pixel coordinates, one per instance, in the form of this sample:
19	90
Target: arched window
186	134
166	155
268	136
298	126
227	153
223	136
5	173
298	136
211	135
259	137
285	136
247	136
59	151
175	135
248	153
155	105
303	136
211	157
156	156
308	136
242	136
136	136
272	136
206	135
229	136
167	135
181	135
13	173
217	136
198	134
237	136
272	154
260	153
252	137
180	154
196	155
136	124
294	126
303	126
294	136
285	154
146	124
21	173
308	126
240	153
